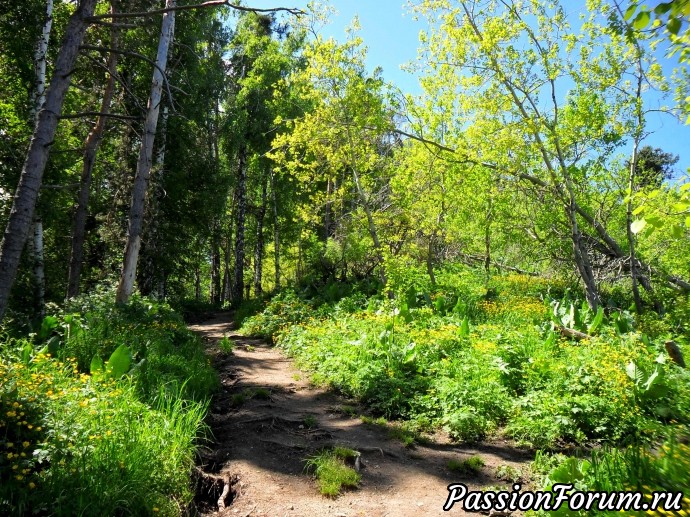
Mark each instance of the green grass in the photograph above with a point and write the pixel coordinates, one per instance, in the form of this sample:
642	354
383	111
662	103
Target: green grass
74	443
331	472
310	421
226	345
471	465
403	432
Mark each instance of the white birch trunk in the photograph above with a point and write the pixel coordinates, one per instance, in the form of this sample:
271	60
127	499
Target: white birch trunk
24	202
141	179
39	98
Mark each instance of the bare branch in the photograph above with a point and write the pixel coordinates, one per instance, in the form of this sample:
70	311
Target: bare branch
98	114
138	56
210	3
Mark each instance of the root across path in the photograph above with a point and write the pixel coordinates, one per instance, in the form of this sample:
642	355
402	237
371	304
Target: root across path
267	420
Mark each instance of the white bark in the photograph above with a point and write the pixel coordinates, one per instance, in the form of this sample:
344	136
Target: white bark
41	50
141	179
24	202
39	98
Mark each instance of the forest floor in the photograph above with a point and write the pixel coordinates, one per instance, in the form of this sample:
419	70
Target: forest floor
260	443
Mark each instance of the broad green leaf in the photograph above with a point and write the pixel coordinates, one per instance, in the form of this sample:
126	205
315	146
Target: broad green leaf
630	11
674	25
597	321
638	210
684	187
97	365
634	372
677	231
663	8
641	20
26	353
655	220
465	328
638	225
687	221
119	362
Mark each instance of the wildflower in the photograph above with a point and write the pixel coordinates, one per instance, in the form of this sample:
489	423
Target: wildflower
32	485
25	444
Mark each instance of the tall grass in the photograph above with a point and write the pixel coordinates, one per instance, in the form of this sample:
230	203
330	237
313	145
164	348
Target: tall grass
76	444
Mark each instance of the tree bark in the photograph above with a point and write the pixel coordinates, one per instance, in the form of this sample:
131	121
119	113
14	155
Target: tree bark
24	202
276	232
91	144
238	277
35	246
141	179
216	296
259	248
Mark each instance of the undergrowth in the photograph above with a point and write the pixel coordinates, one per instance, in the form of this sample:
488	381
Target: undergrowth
73	443
484	358
331	472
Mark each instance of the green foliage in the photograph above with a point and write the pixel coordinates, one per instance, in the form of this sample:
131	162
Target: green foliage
71	442
469	466
227	346
282	310
145	338
495	368
78	434
331	472
633	468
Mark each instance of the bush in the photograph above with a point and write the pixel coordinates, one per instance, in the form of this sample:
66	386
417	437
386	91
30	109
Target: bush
70	444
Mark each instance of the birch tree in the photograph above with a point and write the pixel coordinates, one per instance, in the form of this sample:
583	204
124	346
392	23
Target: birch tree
26	195
143	172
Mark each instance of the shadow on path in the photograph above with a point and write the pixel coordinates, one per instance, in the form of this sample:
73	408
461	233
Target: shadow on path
267	420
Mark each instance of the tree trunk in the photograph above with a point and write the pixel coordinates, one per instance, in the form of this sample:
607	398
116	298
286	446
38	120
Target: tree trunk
276	232
141	179
24	202
327	217
370	223
91	144
259	248
197	284
584	267
298	273
35	249
215	297
628	226
40	54
430	259
238	278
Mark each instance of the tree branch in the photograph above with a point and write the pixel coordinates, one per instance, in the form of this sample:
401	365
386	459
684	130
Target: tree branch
210	3
98	114
138	56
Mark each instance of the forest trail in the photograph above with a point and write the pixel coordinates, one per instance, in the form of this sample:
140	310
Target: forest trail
261	443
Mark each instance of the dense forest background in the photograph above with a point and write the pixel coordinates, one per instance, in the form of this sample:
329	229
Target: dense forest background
216	155
526	150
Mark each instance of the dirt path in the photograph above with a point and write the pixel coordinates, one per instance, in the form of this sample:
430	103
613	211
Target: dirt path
261	442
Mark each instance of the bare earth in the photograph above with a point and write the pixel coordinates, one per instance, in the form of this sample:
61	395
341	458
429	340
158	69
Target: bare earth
262	442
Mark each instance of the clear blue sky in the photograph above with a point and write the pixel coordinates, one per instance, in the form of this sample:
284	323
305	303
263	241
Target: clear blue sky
392	38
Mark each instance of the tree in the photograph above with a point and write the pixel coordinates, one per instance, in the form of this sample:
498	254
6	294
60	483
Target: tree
558	143
340	142
141	179
25	197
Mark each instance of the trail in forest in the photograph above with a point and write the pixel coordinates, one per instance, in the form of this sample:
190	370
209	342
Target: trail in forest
260	444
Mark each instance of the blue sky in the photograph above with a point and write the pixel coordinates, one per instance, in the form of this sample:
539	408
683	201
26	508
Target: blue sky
392	38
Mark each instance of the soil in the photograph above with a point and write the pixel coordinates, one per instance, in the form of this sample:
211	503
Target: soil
260	443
